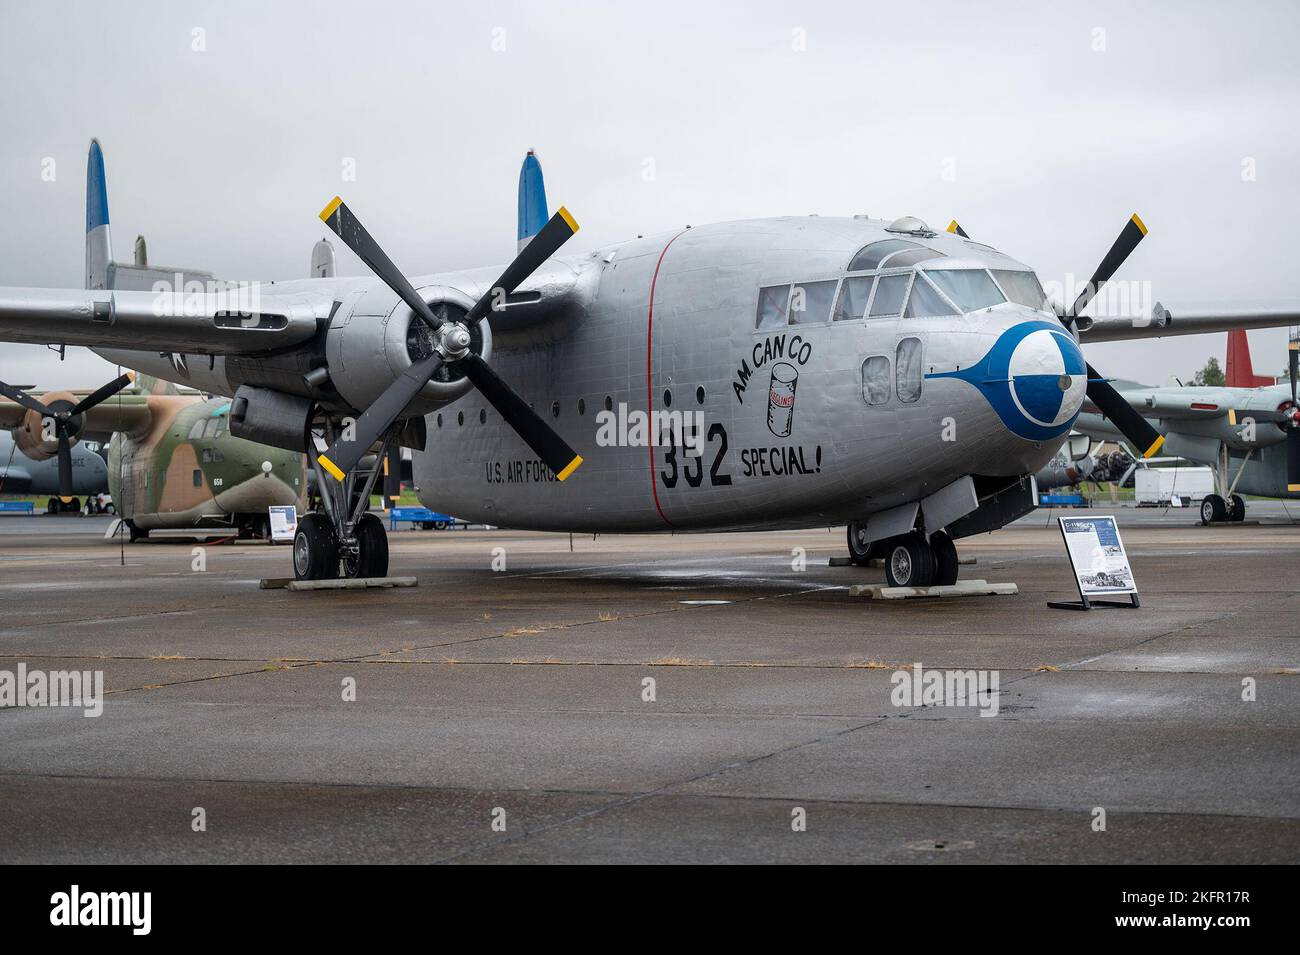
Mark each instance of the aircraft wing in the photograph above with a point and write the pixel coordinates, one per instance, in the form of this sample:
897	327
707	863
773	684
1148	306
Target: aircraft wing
1164	321
129	413
1185	404
245	320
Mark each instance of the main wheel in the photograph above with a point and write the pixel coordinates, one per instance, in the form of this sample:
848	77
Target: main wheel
1238	508
909	562
862	551
315	550
1213	509
372	539
52	506
946	565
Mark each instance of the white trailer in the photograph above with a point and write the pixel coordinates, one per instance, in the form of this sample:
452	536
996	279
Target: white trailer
1156	487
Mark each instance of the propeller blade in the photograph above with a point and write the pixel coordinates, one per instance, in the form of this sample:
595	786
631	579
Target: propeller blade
343	455
348	227
107	391
557	231
24	399
1293	363
1293	460
1133	232
539	435
956	229
65	464
1130	424
393	474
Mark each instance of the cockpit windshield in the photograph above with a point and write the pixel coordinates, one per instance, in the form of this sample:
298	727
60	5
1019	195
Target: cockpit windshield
1022	288
970	289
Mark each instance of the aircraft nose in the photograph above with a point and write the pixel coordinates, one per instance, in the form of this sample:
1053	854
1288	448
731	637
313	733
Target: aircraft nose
1047	376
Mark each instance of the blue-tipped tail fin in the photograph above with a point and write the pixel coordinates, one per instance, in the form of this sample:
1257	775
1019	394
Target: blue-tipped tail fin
532	199
99	245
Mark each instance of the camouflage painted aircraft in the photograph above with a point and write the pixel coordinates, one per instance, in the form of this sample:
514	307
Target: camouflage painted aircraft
172	462
852	371
1249	436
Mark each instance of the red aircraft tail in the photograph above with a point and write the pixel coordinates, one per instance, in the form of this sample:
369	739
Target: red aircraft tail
1238	371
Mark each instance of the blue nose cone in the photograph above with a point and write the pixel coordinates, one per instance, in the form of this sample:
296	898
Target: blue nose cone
1034	377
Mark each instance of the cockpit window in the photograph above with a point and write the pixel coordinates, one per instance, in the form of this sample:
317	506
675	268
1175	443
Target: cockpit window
869	256
811	302
925	301
890	290
771	306
971	289
909	257
1022	288
854	292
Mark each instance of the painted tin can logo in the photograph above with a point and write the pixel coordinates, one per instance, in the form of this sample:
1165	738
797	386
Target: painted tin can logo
780	399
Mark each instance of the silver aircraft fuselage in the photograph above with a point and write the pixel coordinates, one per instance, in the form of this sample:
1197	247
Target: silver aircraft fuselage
802	422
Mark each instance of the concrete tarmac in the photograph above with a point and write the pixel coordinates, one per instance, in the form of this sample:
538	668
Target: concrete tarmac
517	695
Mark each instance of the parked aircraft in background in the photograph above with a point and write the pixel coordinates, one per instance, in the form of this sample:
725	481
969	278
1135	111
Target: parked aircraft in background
1249	436
851	370
172	462
20	474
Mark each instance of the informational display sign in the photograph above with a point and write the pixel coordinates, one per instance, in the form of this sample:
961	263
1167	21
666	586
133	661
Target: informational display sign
284	522
1097	557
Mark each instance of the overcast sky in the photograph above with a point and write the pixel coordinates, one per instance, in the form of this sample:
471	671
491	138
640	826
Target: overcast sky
1041	127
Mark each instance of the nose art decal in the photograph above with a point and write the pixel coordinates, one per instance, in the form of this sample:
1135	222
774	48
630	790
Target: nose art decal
1034	377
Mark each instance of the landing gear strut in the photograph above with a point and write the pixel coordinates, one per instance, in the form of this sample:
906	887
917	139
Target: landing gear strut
342	538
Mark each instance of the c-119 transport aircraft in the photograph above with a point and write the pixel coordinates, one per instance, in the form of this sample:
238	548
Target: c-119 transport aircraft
774	373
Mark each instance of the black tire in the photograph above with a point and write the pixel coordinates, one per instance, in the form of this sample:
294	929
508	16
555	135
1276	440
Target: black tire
439	525
315	550
1213	509
1238	512
372	539
946	565
861	552
909	562
136	533
52	507
426	525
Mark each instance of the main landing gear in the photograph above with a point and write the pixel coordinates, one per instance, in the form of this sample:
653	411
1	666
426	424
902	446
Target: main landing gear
342	538
910	560
1215	510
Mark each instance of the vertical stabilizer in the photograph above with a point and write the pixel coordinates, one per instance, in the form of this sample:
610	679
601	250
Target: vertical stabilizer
532	199
1237	371
99	247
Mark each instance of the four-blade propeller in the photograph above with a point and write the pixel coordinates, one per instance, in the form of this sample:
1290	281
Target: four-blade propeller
1146	439
64	420
451	346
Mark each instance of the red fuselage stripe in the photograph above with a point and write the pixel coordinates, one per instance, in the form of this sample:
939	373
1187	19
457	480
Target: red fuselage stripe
649	383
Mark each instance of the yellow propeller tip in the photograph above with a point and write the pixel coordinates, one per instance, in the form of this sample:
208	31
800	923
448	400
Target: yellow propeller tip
572	223
331	467
330	209
1155	446
952	226
1137	221
570	467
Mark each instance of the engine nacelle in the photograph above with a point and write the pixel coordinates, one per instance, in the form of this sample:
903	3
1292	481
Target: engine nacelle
371	344
36	438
